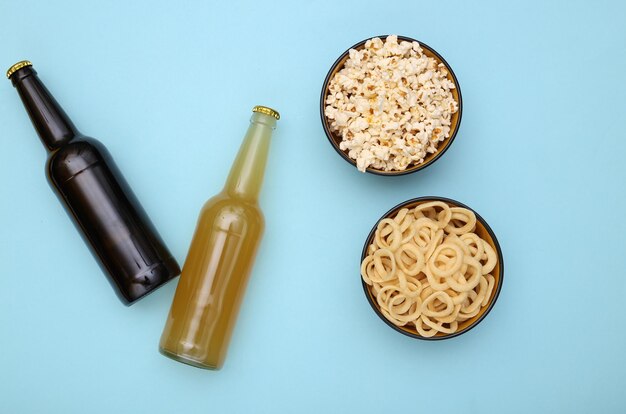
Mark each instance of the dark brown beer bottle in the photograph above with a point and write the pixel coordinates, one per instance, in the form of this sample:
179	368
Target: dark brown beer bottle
96	196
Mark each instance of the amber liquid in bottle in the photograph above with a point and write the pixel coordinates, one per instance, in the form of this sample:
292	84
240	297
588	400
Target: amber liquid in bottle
220	258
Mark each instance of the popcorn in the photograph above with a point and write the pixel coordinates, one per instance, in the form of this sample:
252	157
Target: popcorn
391	104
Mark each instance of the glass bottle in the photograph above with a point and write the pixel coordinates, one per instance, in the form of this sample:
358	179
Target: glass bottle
95	195
220	258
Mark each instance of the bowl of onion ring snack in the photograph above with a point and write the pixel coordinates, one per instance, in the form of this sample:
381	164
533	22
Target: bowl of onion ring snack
432	268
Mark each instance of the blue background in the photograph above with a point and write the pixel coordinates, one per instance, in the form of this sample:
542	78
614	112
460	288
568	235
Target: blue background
168	87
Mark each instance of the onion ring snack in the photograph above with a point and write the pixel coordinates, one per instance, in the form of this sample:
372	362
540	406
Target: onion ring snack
430	271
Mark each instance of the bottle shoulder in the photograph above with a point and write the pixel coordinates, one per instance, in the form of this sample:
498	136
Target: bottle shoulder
224	208
74	157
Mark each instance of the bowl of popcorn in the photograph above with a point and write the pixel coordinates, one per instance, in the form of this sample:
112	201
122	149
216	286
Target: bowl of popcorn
432	268
391	105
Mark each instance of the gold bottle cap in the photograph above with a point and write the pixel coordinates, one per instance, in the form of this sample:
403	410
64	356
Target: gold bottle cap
267	111
18	66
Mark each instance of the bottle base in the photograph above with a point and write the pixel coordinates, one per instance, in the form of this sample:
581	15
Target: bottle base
186	360
144	284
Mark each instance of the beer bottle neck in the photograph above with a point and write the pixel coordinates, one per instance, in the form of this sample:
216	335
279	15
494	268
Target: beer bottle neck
52	123
246	174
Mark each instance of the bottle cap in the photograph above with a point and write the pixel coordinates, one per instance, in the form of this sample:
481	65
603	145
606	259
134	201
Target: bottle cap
17	66
267	111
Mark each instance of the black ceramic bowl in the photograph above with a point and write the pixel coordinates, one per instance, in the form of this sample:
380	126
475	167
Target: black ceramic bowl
442	147
482	229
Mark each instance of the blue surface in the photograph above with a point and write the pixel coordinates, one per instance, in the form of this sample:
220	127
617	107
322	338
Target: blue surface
168	87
